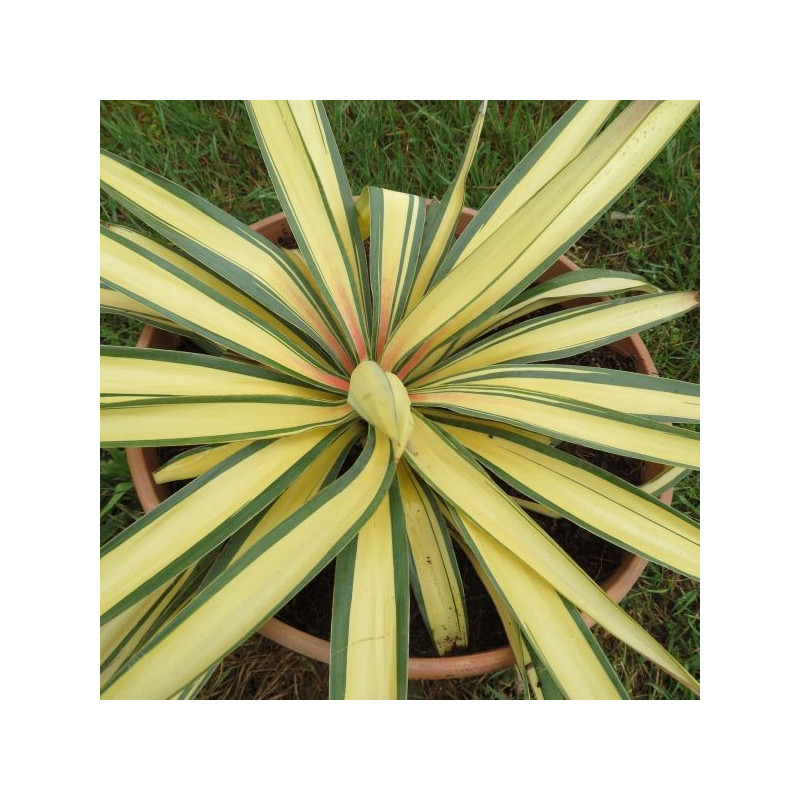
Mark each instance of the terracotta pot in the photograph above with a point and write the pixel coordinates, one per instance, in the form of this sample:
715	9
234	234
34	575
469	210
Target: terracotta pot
144	461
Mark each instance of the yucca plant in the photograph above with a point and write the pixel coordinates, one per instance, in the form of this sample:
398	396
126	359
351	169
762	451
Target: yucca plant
373	409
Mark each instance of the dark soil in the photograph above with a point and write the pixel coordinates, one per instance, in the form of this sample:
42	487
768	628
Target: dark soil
287	241
188	346
603	357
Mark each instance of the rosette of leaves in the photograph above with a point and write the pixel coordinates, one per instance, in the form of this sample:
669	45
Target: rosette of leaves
362	409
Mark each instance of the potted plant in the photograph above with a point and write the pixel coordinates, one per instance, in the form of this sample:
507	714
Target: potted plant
405	361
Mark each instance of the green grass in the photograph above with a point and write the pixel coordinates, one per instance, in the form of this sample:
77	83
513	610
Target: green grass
411	146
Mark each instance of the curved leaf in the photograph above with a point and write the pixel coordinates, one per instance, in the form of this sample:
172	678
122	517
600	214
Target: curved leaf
249	592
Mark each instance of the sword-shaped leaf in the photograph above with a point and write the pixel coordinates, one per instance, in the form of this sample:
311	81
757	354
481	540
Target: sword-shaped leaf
574	421
435	576
396	222
440	222
228	247
570	286
114	302
450	471
629	392
184	398
560	637
238	298
533	675
542	227
319	473
307	172
200	516
588	496
185	300
567	333
172	373
174	421
194	462
137	622
369	629
252	589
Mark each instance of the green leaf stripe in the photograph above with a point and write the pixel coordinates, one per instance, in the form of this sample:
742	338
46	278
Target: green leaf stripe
370	477
314	321
311	242
350	572
576	416
219	338
635	509
646	395
205	537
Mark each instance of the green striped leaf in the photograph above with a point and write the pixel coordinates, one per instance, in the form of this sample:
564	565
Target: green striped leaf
527	670
547	220
560	638
573	421
173	601
569	332
554	151
183	299
174	421
628	392
165	373
113	302
134	626
183	398
442	217
252	589
396	222
452	473
319	473
230	248
590	497
194	462
199	517
435	576
563	288
369	630
238	298
307	173
668	476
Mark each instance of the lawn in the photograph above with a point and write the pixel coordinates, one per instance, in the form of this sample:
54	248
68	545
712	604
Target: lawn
653	230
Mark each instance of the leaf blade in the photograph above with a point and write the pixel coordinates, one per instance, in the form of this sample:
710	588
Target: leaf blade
589	497
543	226
369	637
223	244
191	522
462	484
217	619
435	576
190	303
307	172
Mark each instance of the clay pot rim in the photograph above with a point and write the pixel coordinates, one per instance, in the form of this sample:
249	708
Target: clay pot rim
143	461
